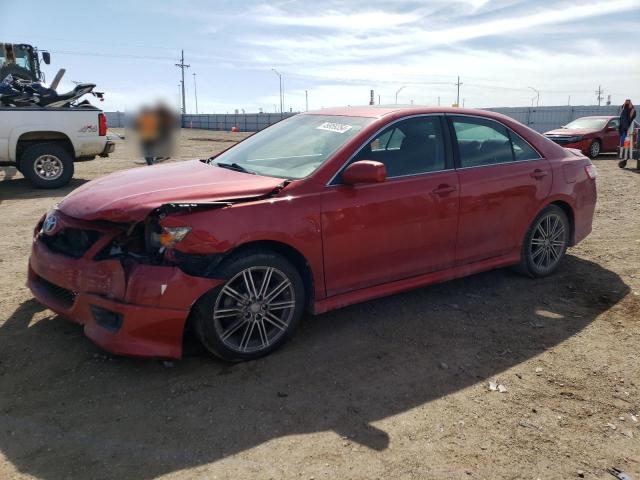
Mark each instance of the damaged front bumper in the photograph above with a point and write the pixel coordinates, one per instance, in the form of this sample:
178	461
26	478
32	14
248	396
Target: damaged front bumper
137	311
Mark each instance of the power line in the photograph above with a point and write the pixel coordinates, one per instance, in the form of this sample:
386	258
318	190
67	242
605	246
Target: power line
110	55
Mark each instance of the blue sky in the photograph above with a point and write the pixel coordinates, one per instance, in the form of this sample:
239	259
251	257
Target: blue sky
338	51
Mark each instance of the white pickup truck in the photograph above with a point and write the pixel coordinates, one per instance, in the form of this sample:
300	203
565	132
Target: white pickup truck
43	143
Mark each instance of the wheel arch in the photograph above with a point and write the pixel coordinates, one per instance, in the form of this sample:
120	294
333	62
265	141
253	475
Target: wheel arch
292	254
568	210
42	136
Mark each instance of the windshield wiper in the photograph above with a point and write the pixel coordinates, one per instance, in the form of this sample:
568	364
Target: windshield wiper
234	166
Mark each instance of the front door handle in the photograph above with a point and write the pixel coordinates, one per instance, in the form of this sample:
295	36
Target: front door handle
443	190
538	174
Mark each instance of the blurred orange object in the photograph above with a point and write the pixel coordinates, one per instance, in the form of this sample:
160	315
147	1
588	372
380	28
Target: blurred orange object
234	129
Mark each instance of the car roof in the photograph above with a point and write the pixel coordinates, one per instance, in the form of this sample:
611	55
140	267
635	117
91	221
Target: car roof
379	111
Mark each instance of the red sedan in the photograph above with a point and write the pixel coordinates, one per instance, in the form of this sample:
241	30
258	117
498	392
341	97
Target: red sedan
591	135
319	211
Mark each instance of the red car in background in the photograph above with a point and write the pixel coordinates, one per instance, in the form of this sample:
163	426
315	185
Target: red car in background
591	135
319	211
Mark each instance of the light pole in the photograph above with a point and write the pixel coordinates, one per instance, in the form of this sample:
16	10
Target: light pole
195	90
536	98
398	91
281	91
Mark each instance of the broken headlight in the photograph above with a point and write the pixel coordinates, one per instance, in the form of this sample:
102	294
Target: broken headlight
167	237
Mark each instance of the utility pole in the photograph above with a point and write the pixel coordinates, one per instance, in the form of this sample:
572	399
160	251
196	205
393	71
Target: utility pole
438	100
398	91
600	95
536	98
458	97
281	91
569	101
182	66
463	103
306	101
378	99
195	90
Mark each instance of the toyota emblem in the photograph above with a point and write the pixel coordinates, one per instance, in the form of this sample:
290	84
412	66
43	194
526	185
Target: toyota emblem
50	224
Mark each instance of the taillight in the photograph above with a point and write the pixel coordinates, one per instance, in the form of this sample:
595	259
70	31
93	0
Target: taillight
102	124
592	173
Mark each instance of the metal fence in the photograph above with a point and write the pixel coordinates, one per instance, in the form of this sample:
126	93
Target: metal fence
244	122
543	119
540	119
116	119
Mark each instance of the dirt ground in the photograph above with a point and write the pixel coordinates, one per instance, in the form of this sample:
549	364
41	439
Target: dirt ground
392	388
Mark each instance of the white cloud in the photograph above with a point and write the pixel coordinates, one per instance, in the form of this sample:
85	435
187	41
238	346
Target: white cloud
345	21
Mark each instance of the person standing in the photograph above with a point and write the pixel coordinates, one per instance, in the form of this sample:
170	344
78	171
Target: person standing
148	129
627	116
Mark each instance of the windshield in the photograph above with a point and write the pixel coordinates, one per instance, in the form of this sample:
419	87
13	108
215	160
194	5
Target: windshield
294	148
18	60
587	123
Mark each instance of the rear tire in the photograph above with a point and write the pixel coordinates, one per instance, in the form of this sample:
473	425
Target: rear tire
47	165
545	243
594	149
255	311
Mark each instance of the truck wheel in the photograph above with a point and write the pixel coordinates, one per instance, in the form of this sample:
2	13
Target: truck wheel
47	165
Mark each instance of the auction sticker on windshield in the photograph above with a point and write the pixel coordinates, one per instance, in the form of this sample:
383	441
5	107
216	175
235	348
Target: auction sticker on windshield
334	127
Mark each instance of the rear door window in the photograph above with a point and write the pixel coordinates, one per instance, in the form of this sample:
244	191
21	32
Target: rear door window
521	149
482	141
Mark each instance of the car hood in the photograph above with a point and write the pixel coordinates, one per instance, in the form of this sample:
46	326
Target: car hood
570	131
130	195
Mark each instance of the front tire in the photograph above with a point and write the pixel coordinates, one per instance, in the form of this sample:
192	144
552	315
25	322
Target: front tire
594	149
255	311
545	243
47	165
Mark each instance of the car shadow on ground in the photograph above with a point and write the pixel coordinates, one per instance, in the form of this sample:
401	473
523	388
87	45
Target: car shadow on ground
69	411
13	186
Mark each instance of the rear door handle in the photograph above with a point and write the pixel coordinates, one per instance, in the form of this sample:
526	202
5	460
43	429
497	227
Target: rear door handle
443	190
538	174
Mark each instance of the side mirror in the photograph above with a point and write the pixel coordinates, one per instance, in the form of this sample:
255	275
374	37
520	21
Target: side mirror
46	57
364	171
611	128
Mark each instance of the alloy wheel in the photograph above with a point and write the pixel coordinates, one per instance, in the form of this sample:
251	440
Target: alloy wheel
595	149
254	309
48	167
548	242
